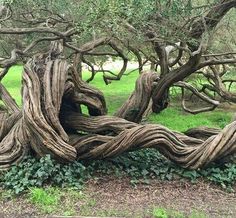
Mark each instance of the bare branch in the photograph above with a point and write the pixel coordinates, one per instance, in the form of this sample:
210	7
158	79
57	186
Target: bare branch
124	67
37	30
216	62
219	54
205	98
88	46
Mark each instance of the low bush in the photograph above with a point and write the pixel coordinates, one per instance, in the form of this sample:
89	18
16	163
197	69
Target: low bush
35	173
140	166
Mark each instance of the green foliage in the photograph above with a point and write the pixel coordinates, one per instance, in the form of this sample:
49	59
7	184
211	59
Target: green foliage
225	176
140	166
36	173
143	165
168	20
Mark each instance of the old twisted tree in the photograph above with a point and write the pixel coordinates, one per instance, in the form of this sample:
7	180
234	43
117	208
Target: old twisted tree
51	121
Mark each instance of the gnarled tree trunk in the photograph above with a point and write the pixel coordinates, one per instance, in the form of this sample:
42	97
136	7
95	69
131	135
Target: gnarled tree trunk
51	122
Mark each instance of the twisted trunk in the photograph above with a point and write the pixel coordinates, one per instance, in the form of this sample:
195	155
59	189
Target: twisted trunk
51	122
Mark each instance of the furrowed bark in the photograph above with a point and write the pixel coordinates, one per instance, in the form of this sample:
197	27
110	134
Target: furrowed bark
51	122
134	108
185	151
41	109
14	143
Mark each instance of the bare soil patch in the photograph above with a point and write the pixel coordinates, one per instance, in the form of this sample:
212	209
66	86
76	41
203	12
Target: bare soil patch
117	196
181	196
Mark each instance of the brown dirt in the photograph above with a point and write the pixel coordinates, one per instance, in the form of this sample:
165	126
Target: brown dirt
180	196
117	195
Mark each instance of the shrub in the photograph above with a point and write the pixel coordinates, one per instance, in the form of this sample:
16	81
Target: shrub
36	173
140	166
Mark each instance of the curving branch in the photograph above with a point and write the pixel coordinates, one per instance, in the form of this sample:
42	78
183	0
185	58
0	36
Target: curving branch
89	46
212	18
20	31
214	61
202	133
5	12
203	97
217	83
121	54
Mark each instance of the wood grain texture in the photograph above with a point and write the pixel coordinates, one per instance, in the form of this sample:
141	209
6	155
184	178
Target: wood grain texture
51	122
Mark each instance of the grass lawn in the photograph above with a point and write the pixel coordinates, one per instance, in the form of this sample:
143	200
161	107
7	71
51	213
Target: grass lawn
118	91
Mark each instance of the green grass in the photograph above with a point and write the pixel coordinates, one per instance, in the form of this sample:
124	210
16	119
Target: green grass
50	200
12	81
45	199
116	94
176	119
167	213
